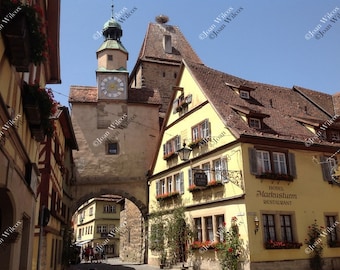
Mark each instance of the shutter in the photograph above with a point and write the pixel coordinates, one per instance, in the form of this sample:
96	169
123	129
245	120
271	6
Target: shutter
326	170
252	161
190	177
292	166
164	150
175	105
181	189
157	188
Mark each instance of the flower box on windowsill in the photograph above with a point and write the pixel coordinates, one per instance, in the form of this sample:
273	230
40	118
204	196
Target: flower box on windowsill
275	176
334	244
204	245
165	196
214	183
282	245
194	188
170	156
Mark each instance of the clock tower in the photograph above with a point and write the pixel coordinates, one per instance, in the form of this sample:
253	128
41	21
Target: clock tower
112	75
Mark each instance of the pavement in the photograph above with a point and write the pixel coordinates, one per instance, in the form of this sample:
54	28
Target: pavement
112	264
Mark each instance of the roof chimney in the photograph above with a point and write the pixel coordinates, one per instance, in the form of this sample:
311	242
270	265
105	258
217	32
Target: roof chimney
167	43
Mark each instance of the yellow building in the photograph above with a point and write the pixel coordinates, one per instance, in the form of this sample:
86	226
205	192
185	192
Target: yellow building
19	148
250	142
98	224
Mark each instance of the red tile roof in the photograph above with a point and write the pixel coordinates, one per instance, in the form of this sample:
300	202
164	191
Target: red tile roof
283	105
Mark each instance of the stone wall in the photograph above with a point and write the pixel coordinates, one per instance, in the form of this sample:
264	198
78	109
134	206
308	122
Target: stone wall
132	237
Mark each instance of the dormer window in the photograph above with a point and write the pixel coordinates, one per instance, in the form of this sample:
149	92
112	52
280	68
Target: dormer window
244	94
254	123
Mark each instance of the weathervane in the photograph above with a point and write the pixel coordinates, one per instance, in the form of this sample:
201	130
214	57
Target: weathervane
112	10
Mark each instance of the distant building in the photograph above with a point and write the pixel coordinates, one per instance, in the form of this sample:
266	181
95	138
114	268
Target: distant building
98	225
249	140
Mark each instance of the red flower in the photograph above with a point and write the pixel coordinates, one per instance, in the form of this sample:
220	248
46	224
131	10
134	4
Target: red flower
230	250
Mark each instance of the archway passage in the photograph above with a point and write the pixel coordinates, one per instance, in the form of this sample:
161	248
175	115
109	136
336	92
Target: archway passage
111	225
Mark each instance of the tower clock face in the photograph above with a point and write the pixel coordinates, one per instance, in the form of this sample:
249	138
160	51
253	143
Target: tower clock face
112	86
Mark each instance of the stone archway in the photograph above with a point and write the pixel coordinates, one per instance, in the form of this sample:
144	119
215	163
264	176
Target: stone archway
132	243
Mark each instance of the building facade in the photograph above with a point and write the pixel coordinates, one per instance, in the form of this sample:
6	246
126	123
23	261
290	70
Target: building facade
54	193
98	225
251	143
19	148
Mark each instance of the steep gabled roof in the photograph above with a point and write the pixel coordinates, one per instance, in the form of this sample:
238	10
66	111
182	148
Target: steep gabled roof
152	47
282	105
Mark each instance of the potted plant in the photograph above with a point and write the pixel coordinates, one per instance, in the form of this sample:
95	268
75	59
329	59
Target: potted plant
24	34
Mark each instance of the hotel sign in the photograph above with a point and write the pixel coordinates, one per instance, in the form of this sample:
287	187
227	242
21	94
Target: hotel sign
200	179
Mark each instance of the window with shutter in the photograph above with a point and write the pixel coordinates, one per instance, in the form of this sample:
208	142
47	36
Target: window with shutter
268	164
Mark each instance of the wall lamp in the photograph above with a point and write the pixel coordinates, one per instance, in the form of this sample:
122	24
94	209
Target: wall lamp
257	224
184	153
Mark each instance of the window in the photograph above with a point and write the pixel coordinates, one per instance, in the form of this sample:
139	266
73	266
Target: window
331	222
109	209
269	227
91	211
198	229
263	161
244	94
255	123
179	182
272	164
220	170
286	228
169	183
101	228
162	183
172	146
112	148
206	169
110	57
220	227
329	167
200	131
280	165
209	230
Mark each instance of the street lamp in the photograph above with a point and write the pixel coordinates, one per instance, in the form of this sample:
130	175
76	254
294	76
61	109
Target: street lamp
184	153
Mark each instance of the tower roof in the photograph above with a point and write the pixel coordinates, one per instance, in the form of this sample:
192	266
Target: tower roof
152	48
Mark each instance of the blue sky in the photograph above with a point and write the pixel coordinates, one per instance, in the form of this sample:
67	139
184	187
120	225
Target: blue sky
267	41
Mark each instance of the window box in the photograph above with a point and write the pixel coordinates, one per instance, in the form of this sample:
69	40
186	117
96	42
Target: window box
194	188
32	109
170	156
168	195
275	176
11	238
281	245
214	183
204	245
198	142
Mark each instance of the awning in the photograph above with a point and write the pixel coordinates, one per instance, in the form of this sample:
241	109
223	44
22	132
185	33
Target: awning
79	244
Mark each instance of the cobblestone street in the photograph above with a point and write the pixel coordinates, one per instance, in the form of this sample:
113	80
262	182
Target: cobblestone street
110	264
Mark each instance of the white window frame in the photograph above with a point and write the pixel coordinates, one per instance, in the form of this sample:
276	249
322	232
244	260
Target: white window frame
255	123
279	159
262	160
206	168
244	94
